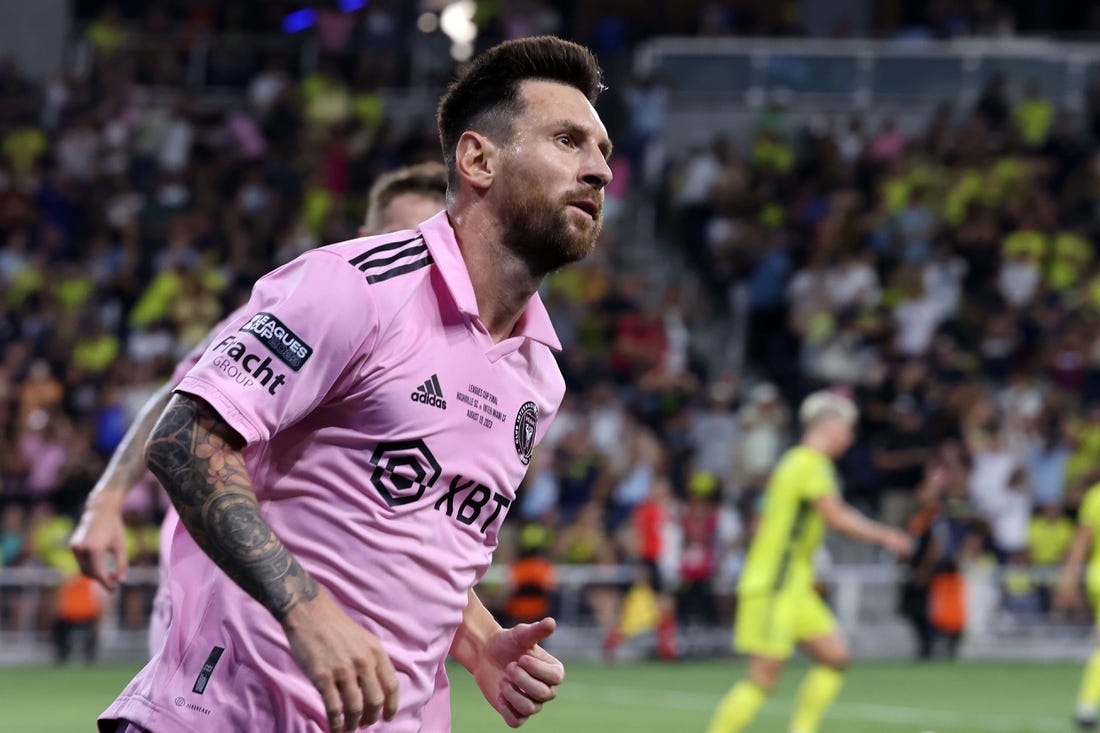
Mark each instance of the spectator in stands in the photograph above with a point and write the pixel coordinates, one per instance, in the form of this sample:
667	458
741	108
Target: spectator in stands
12	538
699	520
1032	116
926	527
994	106
764	425
716	433
532	578
646	100
900	455
653	553
1047	455
1049	537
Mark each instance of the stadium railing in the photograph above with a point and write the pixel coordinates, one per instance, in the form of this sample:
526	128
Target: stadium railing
722	85
862	72
863	597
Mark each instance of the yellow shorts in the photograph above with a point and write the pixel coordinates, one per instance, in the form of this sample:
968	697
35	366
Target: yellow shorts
769	625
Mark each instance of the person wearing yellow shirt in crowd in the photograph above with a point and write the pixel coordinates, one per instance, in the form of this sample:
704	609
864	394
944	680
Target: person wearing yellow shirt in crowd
22	148
77	604
778	605
1027	242
1049	537
1068	597
1070	258
770	154
106	34
1033	116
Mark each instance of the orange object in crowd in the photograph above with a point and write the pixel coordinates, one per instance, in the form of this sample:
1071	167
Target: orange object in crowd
533	580
947	602
78	600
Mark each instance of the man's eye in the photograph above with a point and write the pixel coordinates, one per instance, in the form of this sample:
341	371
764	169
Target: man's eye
565	140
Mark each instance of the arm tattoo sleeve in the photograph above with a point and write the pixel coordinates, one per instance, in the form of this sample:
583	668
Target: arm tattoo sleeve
197	458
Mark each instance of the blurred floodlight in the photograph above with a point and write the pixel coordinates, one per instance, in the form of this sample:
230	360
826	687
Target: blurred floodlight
427	22
457	21
462	51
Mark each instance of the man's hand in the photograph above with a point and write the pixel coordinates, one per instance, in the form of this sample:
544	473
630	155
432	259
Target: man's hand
897	542
344	661
1067	598
100	539
516	675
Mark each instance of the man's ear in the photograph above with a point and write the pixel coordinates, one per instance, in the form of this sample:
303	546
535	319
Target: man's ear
476	159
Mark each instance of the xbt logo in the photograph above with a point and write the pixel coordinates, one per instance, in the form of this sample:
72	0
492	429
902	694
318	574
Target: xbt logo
404	470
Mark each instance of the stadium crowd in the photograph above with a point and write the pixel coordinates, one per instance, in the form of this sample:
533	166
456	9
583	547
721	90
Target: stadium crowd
948	280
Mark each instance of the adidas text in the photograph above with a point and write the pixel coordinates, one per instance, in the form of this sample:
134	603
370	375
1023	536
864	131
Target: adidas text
430	393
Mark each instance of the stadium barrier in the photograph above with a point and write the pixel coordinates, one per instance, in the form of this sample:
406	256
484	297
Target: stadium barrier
723	85
999	623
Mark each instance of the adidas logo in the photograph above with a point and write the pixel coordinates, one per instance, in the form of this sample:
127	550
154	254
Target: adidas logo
430	393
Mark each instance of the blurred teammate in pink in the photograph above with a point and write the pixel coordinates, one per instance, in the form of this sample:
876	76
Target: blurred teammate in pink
346	452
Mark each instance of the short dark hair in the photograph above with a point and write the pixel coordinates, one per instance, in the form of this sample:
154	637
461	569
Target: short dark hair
428	179
485	95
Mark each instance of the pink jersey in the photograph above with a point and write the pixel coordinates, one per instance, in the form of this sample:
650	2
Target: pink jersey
386	435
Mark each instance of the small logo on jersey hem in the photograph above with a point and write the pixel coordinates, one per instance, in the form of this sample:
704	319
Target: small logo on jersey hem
207	670
527	423
430	393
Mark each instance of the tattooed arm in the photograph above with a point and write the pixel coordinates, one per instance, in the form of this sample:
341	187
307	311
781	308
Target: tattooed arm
100	534
197	456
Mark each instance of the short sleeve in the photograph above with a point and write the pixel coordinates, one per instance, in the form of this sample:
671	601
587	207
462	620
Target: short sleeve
278	358
818	478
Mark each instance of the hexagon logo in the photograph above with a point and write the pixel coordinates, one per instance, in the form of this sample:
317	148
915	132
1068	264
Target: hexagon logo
403	470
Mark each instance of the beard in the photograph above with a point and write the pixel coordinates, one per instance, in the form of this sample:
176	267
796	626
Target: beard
541	231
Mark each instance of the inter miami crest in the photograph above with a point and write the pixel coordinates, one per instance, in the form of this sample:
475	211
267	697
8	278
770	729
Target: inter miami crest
527	422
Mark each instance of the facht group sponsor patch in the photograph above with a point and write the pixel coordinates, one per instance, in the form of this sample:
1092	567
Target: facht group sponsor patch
284	343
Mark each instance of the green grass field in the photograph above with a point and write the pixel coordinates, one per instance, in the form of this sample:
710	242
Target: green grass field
659	698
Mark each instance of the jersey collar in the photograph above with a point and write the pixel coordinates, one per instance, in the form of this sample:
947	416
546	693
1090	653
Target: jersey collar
534	323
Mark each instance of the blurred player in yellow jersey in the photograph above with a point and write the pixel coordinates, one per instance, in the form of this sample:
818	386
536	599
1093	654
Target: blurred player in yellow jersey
1068	597
778	607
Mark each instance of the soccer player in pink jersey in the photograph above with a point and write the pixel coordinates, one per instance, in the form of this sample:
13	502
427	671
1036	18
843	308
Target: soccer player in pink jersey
343	455
398	200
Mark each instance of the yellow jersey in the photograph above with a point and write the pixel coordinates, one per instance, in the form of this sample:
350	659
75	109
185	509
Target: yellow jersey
1089	516
790	528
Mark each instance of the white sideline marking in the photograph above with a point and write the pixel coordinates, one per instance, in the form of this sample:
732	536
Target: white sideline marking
861	712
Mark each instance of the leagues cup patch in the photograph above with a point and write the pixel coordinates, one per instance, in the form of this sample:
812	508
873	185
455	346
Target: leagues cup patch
284	343
527	422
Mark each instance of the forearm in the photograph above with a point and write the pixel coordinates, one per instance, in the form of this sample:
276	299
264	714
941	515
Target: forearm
854	524
474	631
197	458
127	466
1075	559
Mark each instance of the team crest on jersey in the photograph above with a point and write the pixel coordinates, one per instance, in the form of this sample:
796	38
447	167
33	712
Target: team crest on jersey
527	422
